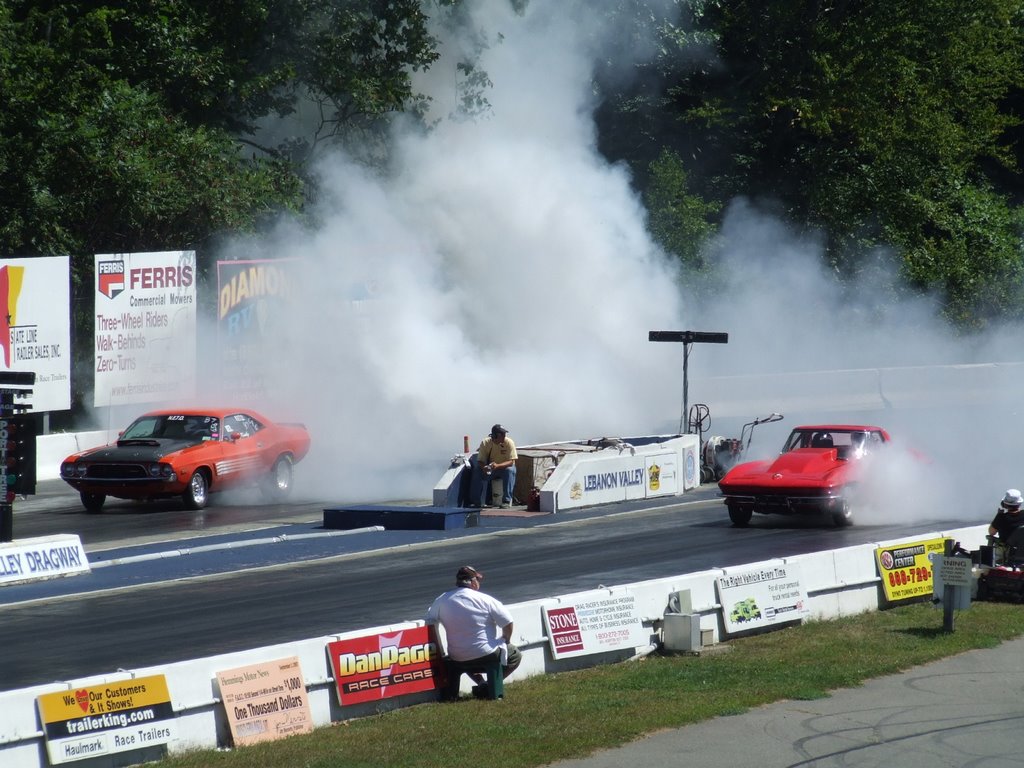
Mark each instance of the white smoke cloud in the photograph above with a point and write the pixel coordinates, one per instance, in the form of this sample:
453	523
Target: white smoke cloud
500	270
821	352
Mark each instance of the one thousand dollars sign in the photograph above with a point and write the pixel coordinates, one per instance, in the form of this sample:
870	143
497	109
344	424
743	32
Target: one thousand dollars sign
104	719
265	701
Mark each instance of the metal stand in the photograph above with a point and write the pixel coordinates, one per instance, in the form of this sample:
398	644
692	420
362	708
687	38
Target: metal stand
15	429
687	338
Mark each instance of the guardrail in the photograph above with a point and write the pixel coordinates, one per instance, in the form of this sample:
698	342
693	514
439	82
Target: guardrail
838	583
53	448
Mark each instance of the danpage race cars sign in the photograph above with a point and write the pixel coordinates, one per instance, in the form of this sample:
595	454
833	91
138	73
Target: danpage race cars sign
379	666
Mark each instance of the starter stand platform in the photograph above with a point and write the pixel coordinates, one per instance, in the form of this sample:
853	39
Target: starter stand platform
401	517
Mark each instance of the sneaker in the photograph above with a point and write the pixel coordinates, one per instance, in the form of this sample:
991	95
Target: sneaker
506	505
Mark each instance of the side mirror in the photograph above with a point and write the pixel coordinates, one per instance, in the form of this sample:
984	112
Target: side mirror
235	436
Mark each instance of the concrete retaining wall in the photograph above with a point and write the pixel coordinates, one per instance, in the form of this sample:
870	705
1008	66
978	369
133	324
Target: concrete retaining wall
838	583
52	449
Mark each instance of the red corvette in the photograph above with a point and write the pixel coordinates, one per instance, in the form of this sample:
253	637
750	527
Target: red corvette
189	453
816	473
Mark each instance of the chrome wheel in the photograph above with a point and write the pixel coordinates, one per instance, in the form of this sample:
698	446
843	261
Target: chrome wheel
279	482
196	495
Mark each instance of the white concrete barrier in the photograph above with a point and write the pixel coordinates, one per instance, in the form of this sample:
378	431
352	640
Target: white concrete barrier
838	583
52	449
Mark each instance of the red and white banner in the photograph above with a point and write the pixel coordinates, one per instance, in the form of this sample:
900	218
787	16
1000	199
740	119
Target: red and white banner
594	623
380	666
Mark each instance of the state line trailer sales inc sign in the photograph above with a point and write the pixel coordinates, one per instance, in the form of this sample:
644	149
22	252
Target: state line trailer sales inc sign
35	326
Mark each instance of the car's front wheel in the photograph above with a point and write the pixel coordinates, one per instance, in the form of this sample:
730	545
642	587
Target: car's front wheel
278	484
197	493
93	502
852	499
843	516
739	514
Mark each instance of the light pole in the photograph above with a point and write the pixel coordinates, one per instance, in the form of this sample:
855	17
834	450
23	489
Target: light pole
687	338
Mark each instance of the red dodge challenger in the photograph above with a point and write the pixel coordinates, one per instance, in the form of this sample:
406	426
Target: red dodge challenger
816	473
189	453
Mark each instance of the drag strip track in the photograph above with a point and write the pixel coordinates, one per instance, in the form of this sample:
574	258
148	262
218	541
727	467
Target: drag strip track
60	639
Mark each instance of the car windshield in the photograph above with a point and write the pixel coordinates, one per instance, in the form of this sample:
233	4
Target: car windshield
846	439
190	427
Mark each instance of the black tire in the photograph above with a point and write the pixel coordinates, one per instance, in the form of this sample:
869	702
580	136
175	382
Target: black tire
278	484
982	589
740	515
93	502
197	494
851	501
843	516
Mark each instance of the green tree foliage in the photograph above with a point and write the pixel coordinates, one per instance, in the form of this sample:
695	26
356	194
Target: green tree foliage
97	148
880	124
679	221
125	125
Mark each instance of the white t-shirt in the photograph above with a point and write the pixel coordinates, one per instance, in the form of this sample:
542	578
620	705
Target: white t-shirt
472	622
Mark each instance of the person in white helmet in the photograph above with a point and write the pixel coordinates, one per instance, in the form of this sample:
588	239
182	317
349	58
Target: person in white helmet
1009	517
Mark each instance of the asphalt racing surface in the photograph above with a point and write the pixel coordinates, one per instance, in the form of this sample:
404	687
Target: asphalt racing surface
169	585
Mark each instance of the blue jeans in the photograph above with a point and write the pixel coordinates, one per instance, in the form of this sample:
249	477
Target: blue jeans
480	487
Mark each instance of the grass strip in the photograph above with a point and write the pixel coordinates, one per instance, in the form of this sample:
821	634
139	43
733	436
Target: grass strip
572	714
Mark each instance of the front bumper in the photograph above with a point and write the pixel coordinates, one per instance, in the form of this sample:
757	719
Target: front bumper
787	504
126	488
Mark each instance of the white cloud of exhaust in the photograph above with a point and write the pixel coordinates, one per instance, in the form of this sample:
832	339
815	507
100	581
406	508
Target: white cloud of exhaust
500	270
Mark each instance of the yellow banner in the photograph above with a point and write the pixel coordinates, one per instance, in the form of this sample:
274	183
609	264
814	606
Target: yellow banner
102	699
906	568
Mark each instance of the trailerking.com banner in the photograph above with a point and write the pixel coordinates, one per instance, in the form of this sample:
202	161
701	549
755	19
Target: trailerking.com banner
105	719
759	597
379	666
